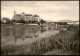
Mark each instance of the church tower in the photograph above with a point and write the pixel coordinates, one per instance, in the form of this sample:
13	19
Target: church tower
14	13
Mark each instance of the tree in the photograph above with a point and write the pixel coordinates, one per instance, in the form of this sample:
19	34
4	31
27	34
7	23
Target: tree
8	21
13	20
42	21
30	21
26	22
21	21
34	21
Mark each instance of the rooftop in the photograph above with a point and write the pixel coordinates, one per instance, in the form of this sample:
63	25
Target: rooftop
35	16
25	15
28	15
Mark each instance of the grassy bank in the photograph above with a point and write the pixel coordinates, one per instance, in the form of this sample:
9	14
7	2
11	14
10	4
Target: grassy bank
66	41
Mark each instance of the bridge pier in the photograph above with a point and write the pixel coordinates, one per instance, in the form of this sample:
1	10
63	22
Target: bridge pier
56	25
74	23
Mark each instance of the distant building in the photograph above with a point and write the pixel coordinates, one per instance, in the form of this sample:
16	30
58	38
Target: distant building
26	17
70	23
77	22
5	20
35	17
51	25
73	23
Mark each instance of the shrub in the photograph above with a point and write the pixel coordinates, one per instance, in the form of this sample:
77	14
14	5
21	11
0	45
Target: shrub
65	40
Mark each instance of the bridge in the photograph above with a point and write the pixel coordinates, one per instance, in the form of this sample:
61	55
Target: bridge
56	25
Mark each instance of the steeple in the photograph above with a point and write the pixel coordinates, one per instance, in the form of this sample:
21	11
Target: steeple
14	12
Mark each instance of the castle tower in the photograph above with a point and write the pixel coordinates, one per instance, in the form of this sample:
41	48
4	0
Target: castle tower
14	13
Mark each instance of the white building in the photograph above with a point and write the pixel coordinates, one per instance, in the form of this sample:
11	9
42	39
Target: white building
26	17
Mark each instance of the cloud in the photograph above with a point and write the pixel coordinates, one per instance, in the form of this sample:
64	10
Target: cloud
48	10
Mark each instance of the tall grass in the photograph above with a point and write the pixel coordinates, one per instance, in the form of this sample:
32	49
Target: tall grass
68	41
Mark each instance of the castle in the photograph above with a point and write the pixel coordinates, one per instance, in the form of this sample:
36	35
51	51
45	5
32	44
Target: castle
26	17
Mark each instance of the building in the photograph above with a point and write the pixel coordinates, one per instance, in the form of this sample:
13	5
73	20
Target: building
26	17
52	25
77	22
73	23
5	20
35	17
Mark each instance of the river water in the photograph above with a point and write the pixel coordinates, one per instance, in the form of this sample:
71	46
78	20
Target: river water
18	36
20	32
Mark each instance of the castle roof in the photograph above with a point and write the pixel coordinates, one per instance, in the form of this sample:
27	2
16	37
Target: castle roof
25	15
28	15
35	16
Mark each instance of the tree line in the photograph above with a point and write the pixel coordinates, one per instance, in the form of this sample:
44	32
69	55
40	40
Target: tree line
8	21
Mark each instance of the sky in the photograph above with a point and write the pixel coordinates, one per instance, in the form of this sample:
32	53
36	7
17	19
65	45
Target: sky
47	10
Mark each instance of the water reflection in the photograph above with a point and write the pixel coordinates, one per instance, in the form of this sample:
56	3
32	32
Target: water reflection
43	29
27	31
21	31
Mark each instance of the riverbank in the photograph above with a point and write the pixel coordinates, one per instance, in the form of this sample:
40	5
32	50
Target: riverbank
67	42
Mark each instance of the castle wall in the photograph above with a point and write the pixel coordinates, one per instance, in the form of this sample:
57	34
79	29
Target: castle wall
17	17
